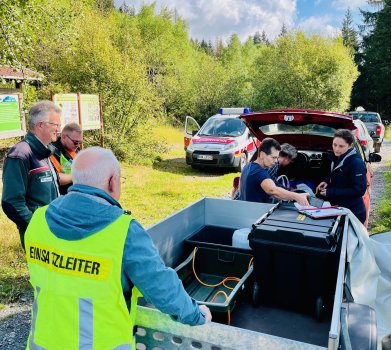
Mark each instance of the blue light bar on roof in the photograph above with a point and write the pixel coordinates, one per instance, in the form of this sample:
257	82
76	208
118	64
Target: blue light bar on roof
234	110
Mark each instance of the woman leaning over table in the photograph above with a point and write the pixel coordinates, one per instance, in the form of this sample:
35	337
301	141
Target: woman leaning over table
347	182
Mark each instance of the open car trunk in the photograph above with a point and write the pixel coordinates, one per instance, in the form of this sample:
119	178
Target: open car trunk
309	131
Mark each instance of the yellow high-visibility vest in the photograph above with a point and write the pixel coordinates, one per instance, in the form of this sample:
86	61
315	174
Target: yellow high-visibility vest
78	297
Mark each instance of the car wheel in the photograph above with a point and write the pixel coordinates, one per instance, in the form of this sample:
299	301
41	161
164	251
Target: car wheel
242	162
377	147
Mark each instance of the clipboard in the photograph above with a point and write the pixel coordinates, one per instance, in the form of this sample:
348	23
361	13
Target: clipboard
327	212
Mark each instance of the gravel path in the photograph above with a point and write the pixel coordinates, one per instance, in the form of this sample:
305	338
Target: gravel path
15	324
15	318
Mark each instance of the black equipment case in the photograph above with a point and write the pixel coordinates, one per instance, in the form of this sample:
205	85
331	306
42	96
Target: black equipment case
295	259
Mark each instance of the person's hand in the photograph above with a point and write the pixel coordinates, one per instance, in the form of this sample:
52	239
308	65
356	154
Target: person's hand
322	186
321	189
302	199
206	312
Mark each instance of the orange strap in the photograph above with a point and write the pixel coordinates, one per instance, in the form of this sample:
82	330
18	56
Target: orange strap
56	163
72	154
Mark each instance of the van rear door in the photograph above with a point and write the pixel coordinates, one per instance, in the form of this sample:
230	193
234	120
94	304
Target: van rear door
191	128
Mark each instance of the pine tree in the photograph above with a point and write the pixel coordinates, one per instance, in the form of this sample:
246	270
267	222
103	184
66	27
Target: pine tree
349	34
129	10
265	40
257	39
284	31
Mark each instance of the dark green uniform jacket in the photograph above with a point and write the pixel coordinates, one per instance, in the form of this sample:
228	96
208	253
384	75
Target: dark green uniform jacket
29	181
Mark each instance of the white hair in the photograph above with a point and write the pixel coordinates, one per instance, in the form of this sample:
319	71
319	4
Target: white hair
94	166
40	111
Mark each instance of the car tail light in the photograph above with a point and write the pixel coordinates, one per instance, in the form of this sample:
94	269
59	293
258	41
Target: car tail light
186	141
363	142
378	129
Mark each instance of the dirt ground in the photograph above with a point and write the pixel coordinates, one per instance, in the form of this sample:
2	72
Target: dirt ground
15	318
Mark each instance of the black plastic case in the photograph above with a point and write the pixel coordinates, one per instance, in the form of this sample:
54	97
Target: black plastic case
296	259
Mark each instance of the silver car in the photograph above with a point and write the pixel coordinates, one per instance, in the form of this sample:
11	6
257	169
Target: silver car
374	124
364	137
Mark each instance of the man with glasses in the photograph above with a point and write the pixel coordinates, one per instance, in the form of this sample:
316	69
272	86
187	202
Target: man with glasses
66	149
29	178
255	182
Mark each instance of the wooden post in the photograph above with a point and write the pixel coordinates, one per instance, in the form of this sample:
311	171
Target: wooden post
102	141
79	114
22	113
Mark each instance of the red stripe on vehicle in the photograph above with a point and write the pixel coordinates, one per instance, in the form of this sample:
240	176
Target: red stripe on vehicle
213	140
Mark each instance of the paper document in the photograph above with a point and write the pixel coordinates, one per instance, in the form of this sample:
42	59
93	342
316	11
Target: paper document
304	207
325	212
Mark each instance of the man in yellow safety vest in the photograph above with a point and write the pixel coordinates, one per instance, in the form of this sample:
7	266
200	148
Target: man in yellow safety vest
85	265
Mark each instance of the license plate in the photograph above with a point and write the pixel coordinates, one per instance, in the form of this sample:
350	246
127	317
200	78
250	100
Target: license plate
205	156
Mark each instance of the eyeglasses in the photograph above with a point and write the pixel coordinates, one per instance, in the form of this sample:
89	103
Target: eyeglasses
75	142
58	126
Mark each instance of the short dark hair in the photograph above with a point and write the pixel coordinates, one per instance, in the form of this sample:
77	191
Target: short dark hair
69	128
267	144
346	135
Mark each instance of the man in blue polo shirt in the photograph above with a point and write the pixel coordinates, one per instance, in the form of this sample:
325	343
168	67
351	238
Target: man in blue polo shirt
255	182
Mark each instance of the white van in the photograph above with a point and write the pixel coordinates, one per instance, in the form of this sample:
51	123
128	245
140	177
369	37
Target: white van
223	141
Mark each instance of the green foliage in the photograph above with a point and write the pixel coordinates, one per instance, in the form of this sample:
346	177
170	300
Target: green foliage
237	59
373	90
16	32
301	72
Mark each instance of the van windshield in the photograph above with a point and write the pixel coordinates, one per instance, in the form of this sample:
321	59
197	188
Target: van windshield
230	127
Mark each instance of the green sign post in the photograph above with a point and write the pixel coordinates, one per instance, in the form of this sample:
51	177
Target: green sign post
11	124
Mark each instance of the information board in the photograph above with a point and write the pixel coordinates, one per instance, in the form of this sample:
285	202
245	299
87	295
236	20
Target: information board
10	118
69	106
89	110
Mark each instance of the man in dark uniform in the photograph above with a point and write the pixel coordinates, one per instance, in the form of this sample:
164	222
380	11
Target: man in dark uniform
29	178
66	149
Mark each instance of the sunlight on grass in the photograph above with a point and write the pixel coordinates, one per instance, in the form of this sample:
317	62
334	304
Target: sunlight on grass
174	138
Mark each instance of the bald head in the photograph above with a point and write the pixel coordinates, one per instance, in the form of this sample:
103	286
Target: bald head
98	167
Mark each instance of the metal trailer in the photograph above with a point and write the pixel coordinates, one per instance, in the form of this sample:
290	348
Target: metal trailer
348	326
